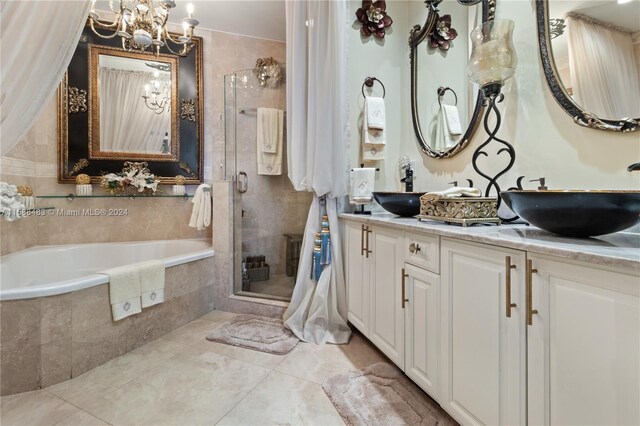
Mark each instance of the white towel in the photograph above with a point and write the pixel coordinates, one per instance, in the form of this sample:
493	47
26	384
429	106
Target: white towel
270	129
373	140
452	117
201	213
455	192
376	115
270	164
152	282
362	185
446	136
124	291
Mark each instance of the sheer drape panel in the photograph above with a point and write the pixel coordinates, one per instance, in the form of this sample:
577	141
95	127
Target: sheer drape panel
317	106
37	41
604	74
126	124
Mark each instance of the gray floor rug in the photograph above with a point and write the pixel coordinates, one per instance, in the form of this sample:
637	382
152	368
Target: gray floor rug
382	395
255	332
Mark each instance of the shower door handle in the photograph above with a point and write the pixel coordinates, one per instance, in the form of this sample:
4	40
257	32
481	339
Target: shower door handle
243	182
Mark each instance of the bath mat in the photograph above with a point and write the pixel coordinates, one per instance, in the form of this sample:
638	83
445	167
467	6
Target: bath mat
381	395
255	332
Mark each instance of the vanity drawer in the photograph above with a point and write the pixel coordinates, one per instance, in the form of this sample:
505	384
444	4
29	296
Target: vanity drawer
422	251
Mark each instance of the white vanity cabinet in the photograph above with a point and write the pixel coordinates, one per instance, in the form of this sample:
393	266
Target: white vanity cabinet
374	263
482	357
583	345
421	328
357	274
496	335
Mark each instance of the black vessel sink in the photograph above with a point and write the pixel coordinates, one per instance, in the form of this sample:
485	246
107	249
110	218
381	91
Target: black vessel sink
404	204
576	213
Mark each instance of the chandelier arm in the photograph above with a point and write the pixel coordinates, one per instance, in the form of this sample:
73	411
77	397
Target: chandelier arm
181	53
91	22
115	23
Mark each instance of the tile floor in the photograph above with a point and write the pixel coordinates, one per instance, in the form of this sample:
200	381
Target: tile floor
183	379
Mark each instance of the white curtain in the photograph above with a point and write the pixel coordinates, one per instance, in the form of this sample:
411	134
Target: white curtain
37	41
126	124
317	125
604	74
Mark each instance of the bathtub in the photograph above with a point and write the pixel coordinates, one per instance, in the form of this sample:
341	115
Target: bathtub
52	270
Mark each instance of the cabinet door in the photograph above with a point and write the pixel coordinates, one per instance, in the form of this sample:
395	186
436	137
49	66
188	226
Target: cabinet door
421	327
357	277
386	313
583	346
483	364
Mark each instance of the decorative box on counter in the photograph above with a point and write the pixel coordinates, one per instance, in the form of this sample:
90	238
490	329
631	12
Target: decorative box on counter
463	210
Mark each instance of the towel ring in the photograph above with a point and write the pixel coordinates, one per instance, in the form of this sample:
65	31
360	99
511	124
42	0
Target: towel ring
442	91
369	81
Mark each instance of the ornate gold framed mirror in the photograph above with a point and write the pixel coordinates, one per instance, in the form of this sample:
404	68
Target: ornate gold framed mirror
590	54
117	105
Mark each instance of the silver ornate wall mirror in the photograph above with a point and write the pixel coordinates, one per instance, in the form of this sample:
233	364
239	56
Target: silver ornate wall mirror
590	53
446	107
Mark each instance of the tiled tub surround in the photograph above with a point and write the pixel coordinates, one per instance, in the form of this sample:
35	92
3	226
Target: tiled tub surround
47	340
619	250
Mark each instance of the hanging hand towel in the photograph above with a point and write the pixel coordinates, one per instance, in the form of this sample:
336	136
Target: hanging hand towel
447	136
376	115
455	192
452	117
152	282
270	129
269	163
124	291
362	185
201	213
373	140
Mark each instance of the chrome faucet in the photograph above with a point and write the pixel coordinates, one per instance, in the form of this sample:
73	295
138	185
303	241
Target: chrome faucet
408	178
635	167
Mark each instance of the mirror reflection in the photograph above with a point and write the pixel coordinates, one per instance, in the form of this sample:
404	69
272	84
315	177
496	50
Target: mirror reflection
136	105
444	109
443	88
596	51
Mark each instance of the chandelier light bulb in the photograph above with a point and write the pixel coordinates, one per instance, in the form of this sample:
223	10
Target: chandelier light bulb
190	10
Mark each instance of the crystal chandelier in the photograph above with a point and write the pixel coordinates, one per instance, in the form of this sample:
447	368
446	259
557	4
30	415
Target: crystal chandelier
157	98
142	24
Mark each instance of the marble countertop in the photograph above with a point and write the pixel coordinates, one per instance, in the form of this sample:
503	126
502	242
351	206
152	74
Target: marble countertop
619	250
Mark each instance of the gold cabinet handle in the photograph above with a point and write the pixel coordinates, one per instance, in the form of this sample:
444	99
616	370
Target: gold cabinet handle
508	268
404	278
529	280
368	231
414	248
362	241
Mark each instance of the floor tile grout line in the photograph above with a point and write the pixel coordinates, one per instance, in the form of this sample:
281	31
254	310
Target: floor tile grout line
115	388
73	405
243	398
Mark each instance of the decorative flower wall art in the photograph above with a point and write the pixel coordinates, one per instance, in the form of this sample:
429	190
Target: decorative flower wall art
374	19
443	33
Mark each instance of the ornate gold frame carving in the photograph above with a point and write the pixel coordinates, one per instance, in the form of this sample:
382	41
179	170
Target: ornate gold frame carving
94	105
188	109
194	178
77	100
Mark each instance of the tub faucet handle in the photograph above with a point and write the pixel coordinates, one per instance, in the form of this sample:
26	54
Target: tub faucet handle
542	181
635	167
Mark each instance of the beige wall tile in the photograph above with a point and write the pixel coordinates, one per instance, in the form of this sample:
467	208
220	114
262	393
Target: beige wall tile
20	346
55	361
